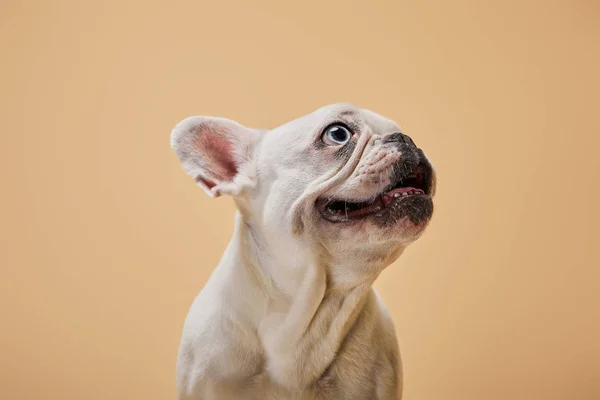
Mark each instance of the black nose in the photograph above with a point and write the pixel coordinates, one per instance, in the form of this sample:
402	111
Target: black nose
400	138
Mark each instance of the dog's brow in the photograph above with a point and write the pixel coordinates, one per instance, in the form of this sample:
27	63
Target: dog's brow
351	117
345	113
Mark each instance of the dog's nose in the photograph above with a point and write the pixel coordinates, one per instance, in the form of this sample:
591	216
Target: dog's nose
400	138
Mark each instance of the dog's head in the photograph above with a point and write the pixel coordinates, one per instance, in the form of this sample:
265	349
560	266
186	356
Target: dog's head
343	178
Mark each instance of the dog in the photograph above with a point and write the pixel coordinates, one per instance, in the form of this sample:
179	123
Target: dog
325	203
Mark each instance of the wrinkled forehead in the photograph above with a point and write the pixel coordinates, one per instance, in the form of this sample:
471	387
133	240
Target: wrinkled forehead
305	130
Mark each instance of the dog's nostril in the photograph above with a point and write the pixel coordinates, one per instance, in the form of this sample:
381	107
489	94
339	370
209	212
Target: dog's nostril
398	137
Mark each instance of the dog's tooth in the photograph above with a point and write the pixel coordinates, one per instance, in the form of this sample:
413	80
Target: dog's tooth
404	194
396	194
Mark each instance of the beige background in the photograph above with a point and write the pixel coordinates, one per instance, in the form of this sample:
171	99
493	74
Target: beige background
105	241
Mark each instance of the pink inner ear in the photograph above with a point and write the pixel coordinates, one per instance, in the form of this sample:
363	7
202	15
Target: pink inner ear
220	156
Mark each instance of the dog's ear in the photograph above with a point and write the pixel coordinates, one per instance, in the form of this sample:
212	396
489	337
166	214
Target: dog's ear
217	153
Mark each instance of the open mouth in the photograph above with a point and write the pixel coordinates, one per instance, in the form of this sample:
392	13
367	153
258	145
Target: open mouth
389	200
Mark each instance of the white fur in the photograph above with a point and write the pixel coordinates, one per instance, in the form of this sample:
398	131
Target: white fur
289	312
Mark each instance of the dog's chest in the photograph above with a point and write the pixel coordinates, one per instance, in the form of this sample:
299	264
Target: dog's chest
327	388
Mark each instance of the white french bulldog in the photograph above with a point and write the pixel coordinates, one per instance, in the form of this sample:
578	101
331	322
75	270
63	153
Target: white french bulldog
326	202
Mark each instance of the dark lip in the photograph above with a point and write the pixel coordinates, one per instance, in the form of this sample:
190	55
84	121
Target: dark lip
411	189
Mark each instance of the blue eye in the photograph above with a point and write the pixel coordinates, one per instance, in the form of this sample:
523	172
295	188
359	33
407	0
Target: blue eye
337	135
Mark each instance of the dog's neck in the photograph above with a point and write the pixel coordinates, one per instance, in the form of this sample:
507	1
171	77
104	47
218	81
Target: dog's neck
302	303
280	267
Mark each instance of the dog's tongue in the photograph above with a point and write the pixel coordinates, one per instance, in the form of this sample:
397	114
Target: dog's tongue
388	197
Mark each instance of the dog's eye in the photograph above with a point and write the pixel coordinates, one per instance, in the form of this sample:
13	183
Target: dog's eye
337	135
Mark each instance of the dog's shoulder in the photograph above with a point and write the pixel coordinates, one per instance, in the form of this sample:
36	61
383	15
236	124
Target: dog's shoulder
217	344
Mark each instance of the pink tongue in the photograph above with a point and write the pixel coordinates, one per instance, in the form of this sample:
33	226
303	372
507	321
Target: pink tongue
389	196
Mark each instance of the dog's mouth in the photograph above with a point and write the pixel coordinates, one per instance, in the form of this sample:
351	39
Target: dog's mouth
404	197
